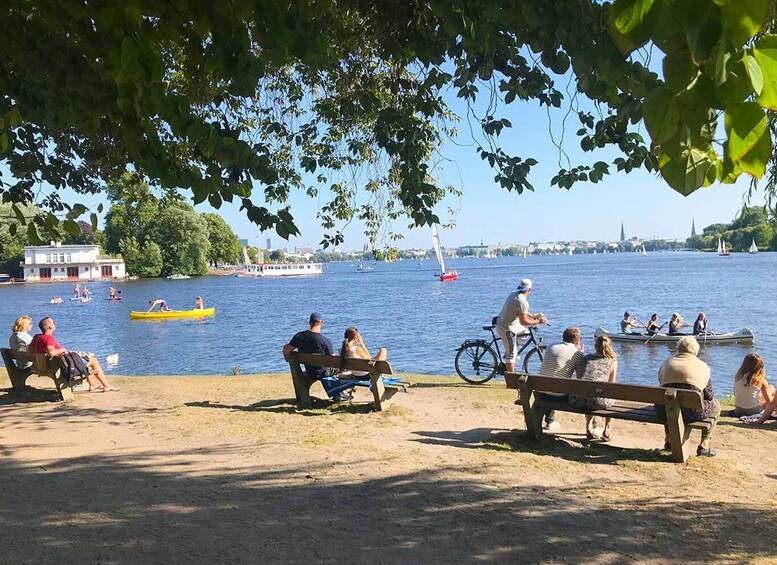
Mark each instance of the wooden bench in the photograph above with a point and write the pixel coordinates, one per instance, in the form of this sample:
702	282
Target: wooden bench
633	402
41	365
381	392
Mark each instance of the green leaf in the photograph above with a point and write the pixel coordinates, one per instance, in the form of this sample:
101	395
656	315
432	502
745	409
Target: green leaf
32	234
679	70
754	162
702	30
754	73
765	54
737	86
93	221
742	19
662	116
628	15
687	173
76	211
745	126
72	227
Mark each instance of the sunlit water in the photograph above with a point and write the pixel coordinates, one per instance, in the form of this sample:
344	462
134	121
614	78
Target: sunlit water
421	320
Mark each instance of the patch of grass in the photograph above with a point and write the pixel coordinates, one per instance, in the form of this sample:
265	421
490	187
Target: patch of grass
319	438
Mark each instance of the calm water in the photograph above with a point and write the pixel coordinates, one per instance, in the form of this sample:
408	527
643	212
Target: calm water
402	306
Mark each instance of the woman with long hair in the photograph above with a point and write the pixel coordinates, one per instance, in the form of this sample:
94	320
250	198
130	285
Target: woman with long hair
601	366
652	327
353	346
751	391
676	324
20	337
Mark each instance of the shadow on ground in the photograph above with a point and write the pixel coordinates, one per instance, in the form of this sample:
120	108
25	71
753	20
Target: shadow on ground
233	514
288	406
571	447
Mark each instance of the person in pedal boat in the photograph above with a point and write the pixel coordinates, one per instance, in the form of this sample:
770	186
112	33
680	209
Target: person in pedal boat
163	307
628	322
676	324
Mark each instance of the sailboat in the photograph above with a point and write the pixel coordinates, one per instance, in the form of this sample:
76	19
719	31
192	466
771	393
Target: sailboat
644	252
722	248
525	253
753	248
445	275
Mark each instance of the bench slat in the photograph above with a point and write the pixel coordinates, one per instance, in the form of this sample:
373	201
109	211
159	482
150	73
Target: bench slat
618	391
620	411
351	364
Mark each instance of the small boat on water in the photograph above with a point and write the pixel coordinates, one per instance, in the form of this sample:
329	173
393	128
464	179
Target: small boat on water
173	314
722	248
363	269
753	248
451	275
177	277
745	335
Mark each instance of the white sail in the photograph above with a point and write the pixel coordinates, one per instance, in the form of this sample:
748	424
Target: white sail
723	244
753	247
644	252
720	246
246	260
525	253
437	248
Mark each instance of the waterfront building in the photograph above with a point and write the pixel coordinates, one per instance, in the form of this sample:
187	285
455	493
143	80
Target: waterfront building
57	262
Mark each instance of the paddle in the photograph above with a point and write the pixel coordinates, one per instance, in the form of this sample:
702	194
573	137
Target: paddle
655	334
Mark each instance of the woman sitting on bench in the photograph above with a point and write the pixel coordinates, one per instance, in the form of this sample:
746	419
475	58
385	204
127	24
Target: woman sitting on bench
599	366
353	346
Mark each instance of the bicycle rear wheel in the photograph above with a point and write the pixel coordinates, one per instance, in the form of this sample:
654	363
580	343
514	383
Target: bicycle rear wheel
476	363
533	361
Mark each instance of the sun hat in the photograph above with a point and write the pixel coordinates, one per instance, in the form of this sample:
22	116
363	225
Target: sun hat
524	285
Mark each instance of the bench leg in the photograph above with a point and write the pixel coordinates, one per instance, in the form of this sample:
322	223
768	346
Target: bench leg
678	433
64	388
18	379
302	384
532	415
378	390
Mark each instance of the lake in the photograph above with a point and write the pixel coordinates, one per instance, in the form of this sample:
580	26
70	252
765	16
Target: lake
404	307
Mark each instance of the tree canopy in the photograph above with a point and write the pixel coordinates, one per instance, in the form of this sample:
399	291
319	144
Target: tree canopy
249	101
752	224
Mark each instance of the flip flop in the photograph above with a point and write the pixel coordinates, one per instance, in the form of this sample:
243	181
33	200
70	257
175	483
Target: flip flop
590	435
112	389
605	436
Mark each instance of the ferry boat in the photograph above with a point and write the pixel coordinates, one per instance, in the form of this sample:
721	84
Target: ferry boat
280	270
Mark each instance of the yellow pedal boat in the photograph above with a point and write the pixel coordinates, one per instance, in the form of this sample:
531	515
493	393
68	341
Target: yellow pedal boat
204	313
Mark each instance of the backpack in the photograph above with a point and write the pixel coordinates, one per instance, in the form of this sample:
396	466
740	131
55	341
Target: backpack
72	365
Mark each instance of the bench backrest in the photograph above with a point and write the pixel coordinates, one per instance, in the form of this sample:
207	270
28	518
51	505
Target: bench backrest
333	362
14	359
635	393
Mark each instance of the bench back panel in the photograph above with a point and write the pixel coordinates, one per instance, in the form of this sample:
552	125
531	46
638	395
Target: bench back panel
333	362
634	393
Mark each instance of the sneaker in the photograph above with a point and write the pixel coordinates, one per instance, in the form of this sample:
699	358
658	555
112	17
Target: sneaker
551	426
709	452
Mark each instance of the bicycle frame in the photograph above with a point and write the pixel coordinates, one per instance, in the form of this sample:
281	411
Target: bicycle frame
532	340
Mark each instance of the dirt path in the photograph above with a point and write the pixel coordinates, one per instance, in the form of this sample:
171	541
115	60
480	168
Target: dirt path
225	470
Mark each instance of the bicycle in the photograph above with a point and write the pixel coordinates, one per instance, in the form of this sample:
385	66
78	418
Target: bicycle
477	362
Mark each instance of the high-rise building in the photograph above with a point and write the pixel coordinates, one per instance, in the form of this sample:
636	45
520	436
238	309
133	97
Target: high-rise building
269	243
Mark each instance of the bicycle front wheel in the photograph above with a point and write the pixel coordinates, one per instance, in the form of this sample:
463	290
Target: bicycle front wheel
476	363
532	362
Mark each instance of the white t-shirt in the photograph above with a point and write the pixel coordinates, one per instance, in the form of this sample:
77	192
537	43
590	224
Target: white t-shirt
509	317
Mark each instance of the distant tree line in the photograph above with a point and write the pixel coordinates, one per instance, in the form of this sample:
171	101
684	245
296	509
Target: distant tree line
163	235
752	224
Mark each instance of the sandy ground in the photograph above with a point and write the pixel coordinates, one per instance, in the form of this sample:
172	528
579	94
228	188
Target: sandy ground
226	470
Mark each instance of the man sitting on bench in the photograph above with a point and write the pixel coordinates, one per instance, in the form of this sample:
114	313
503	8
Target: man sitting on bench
313	341
562	360
45	344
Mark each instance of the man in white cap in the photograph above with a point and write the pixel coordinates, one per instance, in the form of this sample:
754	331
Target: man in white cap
513	320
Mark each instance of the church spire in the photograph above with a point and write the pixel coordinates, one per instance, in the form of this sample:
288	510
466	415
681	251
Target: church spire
693	228
623	233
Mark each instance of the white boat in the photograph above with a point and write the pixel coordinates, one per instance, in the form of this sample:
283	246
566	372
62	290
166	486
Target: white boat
753	248
722	248
256	270
178	277
644	252
444	275
364	268
280	270
745	335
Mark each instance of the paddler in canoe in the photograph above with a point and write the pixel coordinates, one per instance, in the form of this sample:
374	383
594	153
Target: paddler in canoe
652	327
628	322
676	324
163	307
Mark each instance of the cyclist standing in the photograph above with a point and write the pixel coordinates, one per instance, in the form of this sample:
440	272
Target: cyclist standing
513	320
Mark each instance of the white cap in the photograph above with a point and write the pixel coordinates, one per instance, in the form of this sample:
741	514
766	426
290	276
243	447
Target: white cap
524	285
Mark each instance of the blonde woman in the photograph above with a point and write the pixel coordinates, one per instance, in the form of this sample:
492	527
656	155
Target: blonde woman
600	366
20	338
676	324
751	391
353	346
